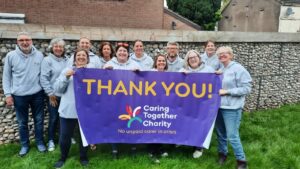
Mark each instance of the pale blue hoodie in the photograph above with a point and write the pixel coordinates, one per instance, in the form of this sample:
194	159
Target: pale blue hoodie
212	61
102	61
50	70
94	61
67	107
129	65
145	62
176	65
21	74
237	81
201	69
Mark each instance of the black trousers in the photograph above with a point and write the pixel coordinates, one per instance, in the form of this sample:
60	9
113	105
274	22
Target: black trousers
67	127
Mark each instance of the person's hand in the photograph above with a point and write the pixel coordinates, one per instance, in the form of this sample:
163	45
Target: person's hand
53	101
218	72
80	66
136	70
185	72
108	67
70	73
9	101
223	92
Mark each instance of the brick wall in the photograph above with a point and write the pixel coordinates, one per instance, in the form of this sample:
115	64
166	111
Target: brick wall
105	13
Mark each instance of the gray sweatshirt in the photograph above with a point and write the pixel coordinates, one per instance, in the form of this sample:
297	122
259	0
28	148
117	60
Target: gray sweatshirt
129	65
21	74
67	107
94	61
102	61
212	61
145	62
176	65
237	81
201	69
50	71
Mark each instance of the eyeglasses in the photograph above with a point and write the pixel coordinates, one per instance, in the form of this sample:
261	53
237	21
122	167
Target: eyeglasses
172	48
192	57
122	44
223	53
24	40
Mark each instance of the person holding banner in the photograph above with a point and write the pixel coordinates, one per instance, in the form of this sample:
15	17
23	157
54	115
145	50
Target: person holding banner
209	57
51	68
175	63
194	64
122	61
140	57
106	52
160	64
236	84
67	109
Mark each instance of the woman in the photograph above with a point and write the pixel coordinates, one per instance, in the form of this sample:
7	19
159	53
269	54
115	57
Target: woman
160	63
193	63
52	65
236	84
140	57
67	110
209	57
106	53
155	150
122	62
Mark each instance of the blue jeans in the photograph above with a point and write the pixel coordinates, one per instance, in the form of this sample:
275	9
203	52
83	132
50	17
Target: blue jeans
53	119
36	102
67	128
227	126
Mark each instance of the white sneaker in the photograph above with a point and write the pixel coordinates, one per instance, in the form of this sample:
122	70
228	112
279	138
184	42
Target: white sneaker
156	161
165	154
197	153
150	155
51	145
73	141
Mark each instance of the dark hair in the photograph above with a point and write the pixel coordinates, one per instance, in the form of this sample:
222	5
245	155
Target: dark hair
124	45
138	40
156	58
101	48
79	50
209	41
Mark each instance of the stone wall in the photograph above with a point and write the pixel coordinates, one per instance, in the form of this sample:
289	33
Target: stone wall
273	60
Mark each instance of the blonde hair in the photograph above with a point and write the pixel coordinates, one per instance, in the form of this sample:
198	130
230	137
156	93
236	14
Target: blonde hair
186	58
226	49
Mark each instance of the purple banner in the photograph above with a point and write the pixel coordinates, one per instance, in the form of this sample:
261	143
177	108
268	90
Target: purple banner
120	106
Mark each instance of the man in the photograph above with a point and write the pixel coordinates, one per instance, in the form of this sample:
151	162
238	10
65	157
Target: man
175	63
85	43
22	89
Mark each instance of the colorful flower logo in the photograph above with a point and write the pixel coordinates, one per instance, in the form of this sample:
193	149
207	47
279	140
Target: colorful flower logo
131	116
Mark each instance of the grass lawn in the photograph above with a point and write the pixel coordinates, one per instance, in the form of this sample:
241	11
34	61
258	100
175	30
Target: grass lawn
271	140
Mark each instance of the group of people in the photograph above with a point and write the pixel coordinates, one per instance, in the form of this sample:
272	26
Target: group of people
28	77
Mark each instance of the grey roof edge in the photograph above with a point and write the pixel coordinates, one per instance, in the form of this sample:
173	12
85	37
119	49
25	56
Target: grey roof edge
182	19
